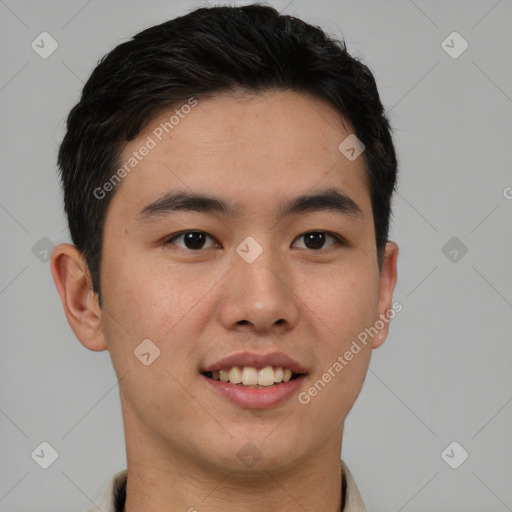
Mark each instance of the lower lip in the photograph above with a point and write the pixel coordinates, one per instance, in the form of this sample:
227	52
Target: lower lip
256	398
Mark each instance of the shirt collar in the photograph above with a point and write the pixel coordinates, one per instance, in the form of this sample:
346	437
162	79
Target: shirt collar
114	493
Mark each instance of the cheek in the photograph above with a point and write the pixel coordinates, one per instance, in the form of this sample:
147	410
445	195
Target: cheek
344	302
154	301
343	307
146	296
334	392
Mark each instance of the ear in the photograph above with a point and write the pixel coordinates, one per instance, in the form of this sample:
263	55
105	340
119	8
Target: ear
388	276
72	278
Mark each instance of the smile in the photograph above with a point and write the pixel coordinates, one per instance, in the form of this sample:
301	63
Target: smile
252	377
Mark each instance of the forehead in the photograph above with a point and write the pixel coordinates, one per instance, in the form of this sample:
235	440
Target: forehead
255	149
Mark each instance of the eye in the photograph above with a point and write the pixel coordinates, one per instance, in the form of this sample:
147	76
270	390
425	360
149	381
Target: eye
193	240
316	239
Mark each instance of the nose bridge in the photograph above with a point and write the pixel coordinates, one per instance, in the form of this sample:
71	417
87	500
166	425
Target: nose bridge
260	266
258	291
264	275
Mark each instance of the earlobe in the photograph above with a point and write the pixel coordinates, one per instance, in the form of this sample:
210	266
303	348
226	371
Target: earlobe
72	279
388	278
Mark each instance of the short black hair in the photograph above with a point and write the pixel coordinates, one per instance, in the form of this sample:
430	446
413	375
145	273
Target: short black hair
213	50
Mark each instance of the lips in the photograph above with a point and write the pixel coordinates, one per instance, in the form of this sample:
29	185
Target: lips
279	378
254	360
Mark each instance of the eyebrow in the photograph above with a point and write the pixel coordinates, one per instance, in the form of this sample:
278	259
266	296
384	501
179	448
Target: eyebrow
330	199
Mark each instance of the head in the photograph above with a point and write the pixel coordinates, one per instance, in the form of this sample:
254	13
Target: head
252	109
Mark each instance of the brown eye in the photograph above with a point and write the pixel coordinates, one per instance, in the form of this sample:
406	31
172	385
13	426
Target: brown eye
315	240
192	240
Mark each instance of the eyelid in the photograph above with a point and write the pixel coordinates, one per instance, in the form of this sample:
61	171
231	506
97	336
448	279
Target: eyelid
339	240
169	239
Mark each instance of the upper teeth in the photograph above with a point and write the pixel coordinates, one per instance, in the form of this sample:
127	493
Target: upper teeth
250	376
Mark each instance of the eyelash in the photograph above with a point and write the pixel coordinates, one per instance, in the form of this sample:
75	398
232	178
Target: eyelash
338	239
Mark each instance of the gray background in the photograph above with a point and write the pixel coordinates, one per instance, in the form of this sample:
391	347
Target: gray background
443	375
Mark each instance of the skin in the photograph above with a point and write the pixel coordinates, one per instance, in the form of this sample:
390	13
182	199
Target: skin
182	438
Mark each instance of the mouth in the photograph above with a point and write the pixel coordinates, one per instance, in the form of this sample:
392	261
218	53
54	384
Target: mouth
252	377
252	388
255	381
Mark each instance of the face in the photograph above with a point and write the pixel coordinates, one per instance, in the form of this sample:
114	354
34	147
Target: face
247	280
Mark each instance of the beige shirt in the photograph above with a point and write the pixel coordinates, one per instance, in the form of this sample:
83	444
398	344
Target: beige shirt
353	500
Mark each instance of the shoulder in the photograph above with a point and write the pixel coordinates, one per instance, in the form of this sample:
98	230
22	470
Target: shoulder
114	490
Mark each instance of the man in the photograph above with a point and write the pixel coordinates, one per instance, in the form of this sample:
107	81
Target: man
228	178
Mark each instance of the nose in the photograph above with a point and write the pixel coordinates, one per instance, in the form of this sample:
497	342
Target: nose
259	294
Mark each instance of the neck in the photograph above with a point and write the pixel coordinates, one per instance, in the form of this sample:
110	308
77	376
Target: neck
163	479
